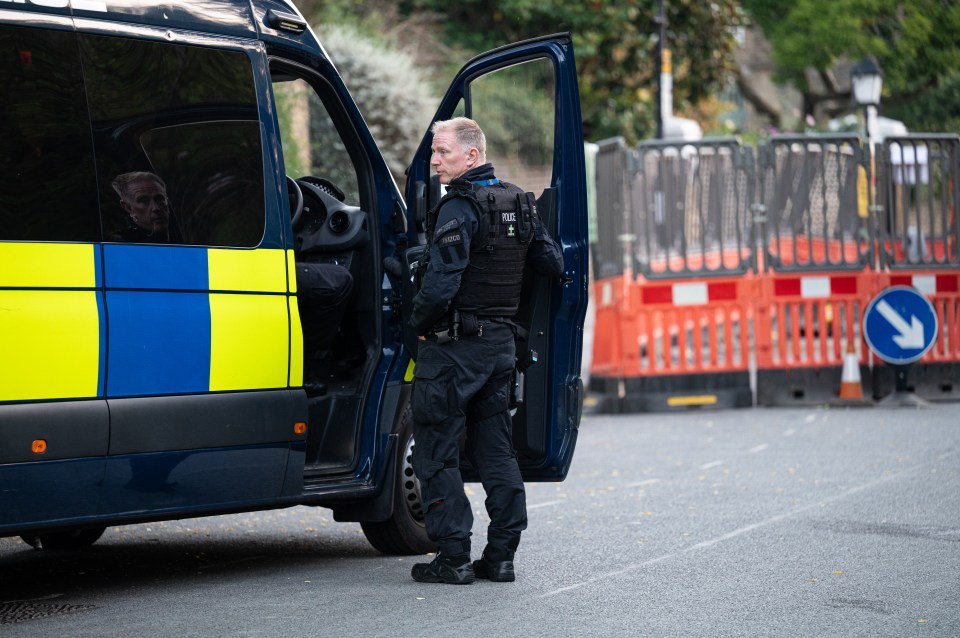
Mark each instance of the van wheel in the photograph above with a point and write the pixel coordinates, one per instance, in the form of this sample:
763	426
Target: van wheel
73	539
404	533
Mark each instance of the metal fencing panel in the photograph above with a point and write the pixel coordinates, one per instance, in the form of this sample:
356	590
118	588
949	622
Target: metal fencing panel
917	201
614	168
812	189
795	203
691	209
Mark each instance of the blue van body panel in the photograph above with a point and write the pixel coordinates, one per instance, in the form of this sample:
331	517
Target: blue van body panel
171	355
72	490
574	238
155	267
226	17
157	317
135	487
191	479
292	486
277	232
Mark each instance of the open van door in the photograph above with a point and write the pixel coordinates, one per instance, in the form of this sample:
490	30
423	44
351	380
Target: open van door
526	99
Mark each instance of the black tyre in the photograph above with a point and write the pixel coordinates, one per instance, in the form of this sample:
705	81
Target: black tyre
73	539
404	533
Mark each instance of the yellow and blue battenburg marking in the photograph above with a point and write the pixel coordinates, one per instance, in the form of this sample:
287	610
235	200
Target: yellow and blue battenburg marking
159	320
185	320
52	333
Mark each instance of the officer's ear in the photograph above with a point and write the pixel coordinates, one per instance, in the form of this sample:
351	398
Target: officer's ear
473	156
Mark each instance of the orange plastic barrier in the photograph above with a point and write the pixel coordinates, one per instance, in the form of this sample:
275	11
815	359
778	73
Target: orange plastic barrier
930	252
942	288
608	295
692	326
803	326
662	345
806	320
802	251
937	375
670	345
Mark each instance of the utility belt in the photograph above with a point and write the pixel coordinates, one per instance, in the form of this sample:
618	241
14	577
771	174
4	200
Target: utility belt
465	324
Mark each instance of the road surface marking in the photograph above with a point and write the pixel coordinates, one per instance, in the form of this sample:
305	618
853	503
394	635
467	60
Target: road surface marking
746	529
533	507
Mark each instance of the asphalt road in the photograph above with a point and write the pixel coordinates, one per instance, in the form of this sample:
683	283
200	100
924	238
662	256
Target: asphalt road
763	522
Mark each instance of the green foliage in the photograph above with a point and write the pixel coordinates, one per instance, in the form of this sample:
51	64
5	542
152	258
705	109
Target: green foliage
915	43
294	157
393	94
936	111
517	110
615	42
371	17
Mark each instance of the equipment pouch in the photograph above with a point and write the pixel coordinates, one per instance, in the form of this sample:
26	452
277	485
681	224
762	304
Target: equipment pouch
516	388
518	378
469	324
526	212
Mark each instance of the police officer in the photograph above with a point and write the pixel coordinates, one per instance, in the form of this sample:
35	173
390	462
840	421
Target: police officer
480	236
143	196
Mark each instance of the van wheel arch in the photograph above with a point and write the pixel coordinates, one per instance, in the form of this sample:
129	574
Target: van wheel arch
404	533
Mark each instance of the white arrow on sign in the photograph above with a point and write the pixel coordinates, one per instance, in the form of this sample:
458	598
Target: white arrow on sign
911	335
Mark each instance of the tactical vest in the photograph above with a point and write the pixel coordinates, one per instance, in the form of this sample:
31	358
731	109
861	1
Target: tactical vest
491	283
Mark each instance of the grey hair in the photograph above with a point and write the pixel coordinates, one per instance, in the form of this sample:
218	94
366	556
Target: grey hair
467	133
121	182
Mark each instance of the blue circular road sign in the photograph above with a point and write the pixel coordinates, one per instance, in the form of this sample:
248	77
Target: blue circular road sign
900	325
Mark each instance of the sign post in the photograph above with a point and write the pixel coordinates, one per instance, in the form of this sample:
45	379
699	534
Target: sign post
900	325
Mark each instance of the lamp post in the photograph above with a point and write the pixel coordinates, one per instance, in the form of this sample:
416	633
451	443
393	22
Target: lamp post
867	81
664	71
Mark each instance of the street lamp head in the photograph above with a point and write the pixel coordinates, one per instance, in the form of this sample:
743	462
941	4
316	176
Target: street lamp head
867	81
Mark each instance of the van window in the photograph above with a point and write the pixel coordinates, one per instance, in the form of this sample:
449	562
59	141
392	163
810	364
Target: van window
515	106
189	115
311	143
47	184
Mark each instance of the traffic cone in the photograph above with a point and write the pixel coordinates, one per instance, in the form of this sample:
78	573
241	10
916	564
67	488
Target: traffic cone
850	386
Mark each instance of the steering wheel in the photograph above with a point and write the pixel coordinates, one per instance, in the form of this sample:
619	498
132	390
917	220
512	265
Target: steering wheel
296	202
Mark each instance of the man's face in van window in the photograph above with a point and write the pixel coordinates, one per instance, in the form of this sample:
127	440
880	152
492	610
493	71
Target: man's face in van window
449	159
146	203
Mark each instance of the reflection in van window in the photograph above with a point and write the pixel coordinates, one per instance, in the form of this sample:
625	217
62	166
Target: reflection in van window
189	115
216	187
47	183
143	196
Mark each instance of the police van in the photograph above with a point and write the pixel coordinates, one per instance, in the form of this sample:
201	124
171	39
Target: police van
157	372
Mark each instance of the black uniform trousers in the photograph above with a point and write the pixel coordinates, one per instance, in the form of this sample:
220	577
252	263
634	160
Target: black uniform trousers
463	388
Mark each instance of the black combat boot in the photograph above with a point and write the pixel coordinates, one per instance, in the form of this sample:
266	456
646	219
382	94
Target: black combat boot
495	566
453	569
